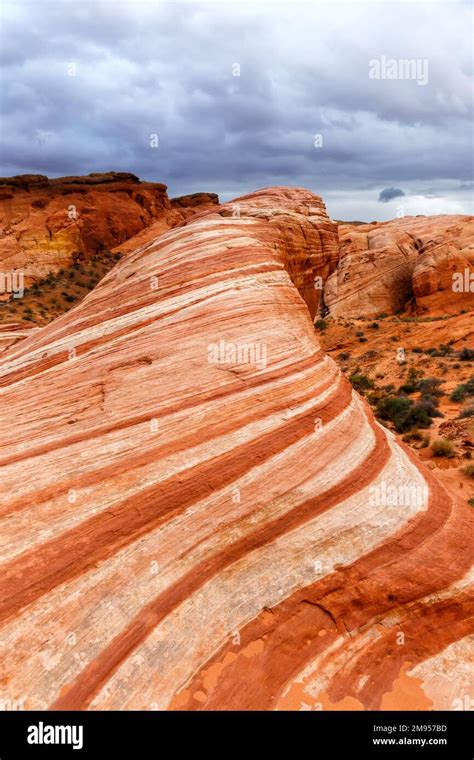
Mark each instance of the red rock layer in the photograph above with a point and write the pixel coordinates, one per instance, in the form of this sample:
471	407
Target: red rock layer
383	266
205	522
47	224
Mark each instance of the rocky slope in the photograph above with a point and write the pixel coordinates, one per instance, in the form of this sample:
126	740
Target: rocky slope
48	224
385	266
211	516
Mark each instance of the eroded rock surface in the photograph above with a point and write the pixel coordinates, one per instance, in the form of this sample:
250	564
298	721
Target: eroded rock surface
194	502
382	266
48	224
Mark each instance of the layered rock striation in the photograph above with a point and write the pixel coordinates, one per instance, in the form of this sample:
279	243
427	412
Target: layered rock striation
197	510
384	266
49	224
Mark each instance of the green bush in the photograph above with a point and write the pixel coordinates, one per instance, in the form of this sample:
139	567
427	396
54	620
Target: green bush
408	388
361	382
463	390
466	355
430	385
429	404
468	470
403	413
320	324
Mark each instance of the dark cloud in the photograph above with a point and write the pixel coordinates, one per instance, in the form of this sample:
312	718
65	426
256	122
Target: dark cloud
86	85
390	193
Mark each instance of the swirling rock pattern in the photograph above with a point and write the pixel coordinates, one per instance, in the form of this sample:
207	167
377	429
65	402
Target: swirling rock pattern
198	512
382	266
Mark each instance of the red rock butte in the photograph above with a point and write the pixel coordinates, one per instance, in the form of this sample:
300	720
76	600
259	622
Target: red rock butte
198	512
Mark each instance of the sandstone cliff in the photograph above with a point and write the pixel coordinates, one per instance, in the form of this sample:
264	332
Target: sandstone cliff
198	512
48	224
384	266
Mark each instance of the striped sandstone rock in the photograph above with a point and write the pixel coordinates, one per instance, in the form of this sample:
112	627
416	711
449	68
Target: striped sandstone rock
198	512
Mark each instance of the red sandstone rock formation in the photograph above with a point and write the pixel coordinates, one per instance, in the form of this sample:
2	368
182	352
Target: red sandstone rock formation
183	207
11	333
383	265
198	512
47	224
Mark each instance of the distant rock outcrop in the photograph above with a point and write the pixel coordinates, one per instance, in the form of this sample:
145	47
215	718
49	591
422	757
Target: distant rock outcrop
198	512
48	224
382	266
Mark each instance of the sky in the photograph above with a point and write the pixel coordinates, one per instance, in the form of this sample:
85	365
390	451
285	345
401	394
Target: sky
368	104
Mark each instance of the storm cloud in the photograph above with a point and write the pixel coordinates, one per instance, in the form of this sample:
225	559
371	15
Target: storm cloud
231	97
390	193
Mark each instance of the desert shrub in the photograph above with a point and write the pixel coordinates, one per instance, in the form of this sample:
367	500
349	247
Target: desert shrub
374	325
118	256
359	334
467	411
468	470
443	448
411	383
463	390
70	298
417	350
422	439
403	413
407	387
383	315
415	435
421	414
320	324
361	382
466	355
430	385
430	406
362	340
444	350
344	356
470	502
388	408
